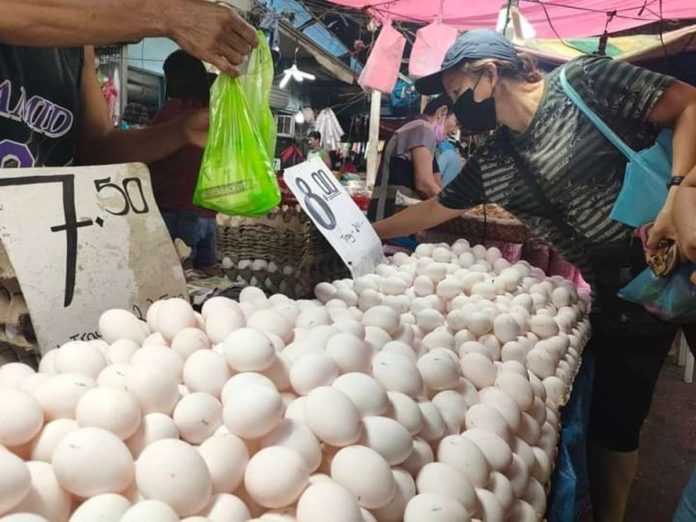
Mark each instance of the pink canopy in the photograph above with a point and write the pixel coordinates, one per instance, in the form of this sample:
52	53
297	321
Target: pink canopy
569	18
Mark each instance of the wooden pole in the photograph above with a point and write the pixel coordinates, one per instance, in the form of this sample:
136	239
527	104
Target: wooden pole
373	141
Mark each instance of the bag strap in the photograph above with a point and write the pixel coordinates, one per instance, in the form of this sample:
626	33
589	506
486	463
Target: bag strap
552	211
596	120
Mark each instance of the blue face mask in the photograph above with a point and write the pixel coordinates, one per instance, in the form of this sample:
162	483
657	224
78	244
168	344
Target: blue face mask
475	116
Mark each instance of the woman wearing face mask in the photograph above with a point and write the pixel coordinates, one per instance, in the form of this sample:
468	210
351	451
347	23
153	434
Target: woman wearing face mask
548	165
408	166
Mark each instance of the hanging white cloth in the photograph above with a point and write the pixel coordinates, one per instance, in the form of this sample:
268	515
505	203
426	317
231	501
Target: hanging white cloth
329	128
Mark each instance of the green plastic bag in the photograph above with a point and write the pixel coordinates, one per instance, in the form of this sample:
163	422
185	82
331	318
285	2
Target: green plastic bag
236	175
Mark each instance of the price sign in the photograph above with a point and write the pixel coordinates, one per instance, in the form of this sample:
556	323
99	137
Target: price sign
336	215
82	241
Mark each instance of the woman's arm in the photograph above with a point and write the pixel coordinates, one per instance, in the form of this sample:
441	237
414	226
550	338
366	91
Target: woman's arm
414	219
425	181
676	108
100	143
685	216
211	32
327	159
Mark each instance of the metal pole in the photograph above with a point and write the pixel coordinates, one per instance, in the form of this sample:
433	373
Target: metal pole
373	141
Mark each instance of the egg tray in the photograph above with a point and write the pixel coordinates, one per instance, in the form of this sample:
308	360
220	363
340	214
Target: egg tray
297	285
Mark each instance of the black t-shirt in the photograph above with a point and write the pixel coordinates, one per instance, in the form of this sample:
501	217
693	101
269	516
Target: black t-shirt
39	104
579	171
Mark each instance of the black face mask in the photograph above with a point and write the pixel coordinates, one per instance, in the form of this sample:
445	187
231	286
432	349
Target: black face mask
475	116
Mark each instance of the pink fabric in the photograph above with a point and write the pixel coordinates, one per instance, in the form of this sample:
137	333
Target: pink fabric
382	68
570	18
432	42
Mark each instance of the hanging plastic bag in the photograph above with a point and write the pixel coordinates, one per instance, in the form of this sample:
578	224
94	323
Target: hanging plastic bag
382	67
257	83
430	47
671	298
236	175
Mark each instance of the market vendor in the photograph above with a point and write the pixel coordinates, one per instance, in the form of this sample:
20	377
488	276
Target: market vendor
174	177
549	166
52	112
408	166
316	150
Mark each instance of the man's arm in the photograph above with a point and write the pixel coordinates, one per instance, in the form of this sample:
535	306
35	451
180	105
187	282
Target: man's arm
100	143
425	181
213	33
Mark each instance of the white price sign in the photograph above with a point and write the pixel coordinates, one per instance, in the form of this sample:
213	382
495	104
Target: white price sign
336	215
82	241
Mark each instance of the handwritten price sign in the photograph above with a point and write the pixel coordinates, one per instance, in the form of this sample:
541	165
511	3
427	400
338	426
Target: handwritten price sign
336	216
83	240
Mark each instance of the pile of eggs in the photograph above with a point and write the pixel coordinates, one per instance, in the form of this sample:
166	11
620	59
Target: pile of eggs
426	392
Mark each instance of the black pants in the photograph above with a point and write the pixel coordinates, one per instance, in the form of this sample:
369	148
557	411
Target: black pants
630	346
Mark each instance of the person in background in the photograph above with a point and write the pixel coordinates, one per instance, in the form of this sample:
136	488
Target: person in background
449	157
316	150
408	166
135	116
174	177
553	169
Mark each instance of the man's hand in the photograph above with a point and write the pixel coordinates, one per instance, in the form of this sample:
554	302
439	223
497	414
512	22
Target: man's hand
685	220
214	33
194	128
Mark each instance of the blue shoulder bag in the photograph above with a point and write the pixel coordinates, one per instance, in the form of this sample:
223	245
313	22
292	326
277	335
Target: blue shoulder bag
642	195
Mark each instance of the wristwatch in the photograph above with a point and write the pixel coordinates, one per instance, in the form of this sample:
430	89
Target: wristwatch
675	181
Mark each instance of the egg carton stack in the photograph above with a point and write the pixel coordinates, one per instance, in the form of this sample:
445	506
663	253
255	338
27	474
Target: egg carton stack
427	392
17	338
282	252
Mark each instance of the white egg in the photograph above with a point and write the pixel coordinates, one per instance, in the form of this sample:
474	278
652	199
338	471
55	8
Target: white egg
396	372
497	452
298	437
405	411
161	357
226	457
428	319
206	371
242	380
173	315
154	388
59	395
221	322
541	362
478	369
21	417
332	417
490	507
248	350
388	438
517	387
46	497
543	326
487	418
111	409
368	396
394	511
197	416
328	501
224	507
172	471
107	507
435	508
276	476
465	455
366	474
90	461
80	358
151	510
188	341
433	427
349	353
120	324
252	411
439	371
446	480
15	480
479	324
154	427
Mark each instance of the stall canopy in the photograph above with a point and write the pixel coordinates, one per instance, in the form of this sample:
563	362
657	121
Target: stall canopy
548	18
